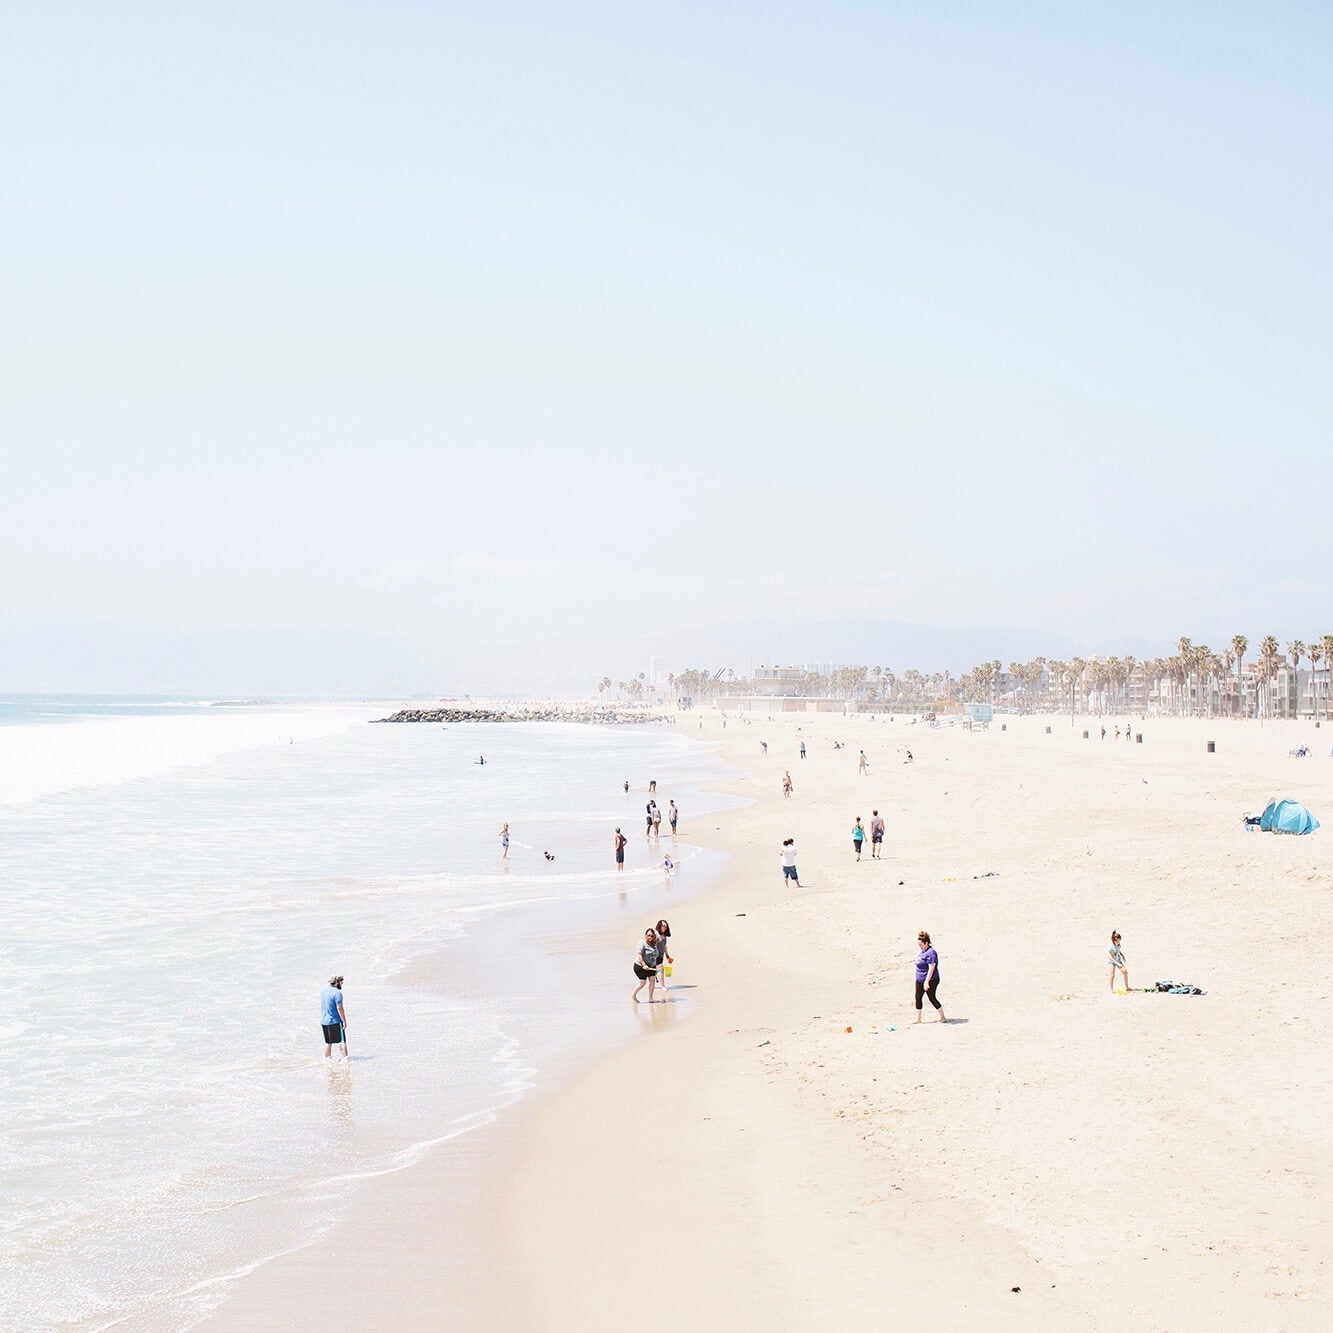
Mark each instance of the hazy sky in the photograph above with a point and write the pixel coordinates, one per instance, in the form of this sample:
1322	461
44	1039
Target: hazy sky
486	322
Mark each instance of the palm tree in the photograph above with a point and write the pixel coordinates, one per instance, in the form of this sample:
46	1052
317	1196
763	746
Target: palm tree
1326	643
1056	670
1296	650
1210	667
1269	653
1239	643
1077	667
1189	661
1315	653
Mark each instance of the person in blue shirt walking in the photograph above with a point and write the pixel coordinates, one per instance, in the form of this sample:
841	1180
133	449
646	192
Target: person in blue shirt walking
332	1017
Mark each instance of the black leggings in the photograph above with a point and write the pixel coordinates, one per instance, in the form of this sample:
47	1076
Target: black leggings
929	994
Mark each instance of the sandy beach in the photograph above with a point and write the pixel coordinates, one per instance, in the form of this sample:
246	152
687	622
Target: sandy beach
1143	1160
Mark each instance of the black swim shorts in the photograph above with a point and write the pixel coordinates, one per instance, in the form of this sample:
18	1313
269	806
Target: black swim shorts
333	1034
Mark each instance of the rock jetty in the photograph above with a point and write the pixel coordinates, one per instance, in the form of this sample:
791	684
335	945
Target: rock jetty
570	712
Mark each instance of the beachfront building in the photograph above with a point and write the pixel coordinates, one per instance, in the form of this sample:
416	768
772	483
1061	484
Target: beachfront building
1137	688
779	682
785	703
1299	693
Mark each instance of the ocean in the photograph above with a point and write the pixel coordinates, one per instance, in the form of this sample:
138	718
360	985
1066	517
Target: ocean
178	879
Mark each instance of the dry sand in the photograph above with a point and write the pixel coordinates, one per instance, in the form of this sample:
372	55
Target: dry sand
1129	1162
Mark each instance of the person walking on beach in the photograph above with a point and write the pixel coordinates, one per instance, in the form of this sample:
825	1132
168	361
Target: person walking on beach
645	965
648	820
333	1018
876	834
786	783
620	849
863	764
672	815
657	823
763	746
927	975
626	786
504	842
789	862
802	749
652	786
1117	957
663	951
858	837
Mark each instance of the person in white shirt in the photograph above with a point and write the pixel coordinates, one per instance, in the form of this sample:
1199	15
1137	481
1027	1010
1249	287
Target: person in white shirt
789	861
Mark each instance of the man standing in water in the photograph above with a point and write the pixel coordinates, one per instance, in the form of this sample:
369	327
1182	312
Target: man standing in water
332	1017
620	850
672	814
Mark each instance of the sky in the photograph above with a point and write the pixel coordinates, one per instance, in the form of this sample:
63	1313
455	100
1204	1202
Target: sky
490	323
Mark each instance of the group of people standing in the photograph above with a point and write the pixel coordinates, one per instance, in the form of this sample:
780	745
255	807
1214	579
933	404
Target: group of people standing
653	817
652	827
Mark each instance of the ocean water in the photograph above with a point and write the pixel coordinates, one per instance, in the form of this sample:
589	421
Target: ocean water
177	883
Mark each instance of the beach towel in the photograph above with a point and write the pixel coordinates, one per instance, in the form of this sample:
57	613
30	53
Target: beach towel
1178	988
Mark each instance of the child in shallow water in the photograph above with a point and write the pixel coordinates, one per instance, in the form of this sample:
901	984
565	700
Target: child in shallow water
1117	957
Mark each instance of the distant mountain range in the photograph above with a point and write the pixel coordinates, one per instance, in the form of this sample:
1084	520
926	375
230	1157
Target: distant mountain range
48	655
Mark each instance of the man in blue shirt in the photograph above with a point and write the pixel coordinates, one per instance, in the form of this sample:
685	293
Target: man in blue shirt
332	1017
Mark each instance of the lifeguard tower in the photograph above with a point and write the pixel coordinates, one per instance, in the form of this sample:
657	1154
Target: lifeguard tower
979	716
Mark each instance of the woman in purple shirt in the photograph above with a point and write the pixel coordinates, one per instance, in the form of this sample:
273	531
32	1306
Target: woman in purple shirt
927	975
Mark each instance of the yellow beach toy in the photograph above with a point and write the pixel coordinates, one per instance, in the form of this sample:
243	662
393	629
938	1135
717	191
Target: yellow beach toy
666	969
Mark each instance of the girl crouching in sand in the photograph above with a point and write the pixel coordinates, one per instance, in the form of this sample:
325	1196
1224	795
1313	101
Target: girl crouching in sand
1117	956
645	965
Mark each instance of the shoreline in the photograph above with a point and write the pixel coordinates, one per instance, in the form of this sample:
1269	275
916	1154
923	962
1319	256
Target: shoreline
430	1231
1098	1153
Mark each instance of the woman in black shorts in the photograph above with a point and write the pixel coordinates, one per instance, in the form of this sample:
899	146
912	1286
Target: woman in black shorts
645	964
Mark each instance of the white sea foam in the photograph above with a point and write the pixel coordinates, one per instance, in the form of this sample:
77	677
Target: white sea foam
46	758
176	891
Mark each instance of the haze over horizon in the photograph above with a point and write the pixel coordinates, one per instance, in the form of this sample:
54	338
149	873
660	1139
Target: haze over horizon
430	332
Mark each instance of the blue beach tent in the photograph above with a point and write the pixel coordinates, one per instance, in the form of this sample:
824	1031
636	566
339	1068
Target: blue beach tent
1287	817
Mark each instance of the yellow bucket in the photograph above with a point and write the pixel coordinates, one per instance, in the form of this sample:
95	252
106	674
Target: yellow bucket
666	969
